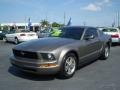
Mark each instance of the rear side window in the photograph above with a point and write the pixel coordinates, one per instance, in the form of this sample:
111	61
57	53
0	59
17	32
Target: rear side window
109	30
100	32
92	31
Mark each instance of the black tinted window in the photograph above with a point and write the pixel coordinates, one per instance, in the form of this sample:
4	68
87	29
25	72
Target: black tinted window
109	30
74	33
91	31
71	32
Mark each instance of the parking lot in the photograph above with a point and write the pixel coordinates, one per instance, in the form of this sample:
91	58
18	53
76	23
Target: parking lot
99	75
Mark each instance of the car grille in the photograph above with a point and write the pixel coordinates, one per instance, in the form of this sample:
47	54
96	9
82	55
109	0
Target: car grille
25	54
25	68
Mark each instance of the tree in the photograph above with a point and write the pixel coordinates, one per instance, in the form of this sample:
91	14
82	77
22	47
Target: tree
55	24
44	23
5	27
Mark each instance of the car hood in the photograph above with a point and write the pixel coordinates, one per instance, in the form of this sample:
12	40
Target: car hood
44	44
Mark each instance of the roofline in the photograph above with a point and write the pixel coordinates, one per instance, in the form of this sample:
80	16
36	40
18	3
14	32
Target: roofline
82	26
19	24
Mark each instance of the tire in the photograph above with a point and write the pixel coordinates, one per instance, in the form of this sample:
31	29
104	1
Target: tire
16	41
69	66
105	53
5	39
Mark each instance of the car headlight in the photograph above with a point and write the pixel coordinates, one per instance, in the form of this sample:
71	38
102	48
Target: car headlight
48	56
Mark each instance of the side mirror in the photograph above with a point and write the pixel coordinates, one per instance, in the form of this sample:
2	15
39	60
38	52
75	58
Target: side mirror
88	37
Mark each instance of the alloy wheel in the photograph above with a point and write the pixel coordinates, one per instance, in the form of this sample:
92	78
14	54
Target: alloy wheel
106	52
70	65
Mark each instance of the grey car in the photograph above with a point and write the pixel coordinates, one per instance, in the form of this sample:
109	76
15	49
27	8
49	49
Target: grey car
44	33
62	54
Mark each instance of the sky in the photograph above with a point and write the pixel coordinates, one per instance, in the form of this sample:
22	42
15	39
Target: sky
89	12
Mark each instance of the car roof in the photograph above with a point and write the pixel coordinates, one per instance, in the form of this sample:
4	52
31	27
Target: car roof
79	27
111	28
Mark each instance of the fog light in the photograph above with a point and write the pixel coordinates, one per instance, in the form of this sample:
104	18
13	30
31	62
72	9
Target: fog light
48	65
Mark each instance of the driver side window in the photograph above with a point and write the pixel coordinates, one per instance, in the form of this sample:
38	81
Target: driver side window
90	32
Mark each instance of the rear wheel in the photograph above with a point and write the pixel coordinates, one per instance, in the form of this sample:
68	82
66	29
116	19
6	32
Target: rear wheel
105	53
69	66
16	41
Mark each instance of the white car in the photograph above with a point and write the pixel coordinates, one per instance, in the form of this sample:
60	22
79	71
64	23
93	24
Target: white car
17	36
114	32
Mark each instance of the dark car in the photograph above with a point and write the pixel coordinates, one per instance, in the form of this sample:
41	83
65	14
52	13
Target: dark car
64	53
2	34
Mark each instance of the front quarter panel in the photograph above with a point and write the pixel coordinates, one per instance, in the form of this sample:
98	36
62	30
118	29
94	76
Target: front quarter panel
62	51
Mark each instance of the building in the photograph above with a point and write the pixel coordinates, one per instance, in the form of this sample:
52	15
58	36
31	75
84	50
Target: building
8	26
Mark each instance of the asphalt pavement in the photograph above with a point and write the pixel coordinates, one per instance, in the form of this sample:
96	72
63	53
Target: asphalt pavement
99	75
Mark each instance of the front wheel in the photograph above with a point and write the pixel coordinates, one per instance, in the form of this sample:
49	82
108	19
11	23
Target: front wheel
4	39
105	53
69	66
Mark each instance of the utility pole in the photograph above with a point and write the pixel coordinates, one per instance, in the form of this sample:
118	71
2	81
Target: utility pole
118	18
64	18
46	16
84	23
25	23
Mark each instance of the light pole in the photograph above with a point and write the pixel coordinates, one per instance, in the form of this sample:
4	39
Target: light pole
118	18
64	18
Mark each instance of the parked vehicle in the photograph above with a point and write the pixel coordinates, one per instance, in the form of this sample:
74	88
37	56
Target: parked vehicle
2	34
64	53
17	36
47	32
114	32
44	33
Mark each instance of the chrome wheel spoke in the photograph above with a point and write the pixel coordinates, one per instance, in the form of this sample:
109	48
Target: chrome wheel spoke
106	52
66	67
70	65
69	70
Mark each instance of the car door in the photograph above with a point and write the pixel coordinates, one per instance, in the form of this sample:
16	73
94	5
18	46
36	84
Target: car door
10	36
92	45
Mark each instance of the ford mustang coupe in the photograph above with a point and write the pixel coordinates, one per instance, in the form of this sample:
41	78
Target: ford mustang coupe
63	53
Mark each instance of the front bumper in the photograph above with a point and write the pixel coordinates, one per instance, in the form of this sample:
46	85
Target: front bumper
35	67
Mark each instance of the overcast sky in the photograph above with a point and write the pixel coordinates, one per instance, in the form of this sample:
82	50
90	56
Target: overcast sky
91	12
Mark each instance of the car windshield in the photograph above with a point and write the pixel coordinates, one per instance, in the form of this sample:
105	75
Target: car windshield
19	31
68	32
25	31
45	31
109	30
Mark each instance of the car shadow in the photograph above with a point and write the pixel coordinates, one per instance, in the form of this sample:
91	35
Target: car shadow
85	64
6	43
34	77
115	44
